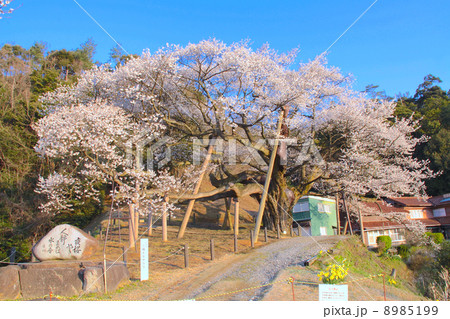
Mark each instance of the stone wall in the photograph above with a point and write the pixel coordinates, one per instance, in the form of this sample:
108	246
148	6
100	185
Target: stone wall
61	278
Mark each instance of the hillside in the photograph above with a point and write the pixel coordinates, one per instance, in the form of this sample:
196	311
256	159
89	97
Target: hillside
363	264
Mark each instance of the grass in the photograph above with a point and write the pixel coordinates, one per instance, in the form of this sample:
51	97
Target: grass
364	263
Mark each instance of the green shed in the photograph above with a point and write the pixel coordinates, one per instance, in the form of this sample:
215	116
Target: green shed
316	215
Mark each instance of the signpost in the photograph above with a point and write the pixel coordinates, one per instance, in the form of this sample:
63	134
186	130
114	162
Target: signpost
333	293
144	259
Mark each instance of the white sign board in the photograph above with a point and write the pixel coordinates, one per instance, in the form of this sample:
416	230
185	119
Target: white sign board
333	293
144	259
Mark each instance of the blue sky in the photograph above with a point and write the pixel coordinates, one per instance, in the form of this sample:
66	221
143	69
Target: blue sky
394	45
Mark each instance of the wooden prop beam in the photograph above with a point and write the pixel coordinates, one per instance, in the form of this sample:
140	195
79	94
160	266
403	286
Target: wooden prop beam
236	216
338	218
262	204
164	219
361	226
196	189
131	227
348	216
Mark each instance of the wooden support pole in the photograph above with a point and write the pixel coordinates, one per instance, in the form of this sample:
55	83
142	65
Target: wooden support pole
124	255
131	226
136	222
150	223
291	229
235	243
348	215
278	231
262	204
265	234
338	217
345	227
187	215
186	256
252	238
211	248
164	219
105	281
361	227
236	215
120	226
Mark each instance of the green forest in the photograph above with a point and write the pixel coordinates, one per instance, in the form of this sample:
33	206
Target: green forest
26	74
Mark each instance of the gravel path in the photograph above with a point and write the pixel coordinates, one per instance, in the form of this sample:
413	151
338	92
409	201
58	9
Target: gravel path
262	266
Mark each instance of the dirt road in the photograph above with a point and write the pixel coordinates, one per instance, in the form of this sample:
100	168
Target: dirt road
220	280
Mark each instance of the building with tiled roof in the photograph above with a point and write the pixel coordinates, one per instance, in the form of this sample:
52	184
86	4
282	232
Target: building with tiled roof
433	212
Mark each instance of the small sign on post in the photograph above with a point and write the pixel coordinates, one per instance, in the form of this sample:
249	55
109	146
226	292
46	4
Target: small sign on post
333	293
144	259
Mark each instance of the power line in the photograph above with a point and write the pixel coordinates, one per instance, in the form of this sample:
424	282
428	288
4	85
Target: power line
354	22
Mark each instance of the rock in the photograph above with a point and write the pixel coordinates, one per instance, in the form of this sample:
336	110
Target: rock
65	242
9	283
116	275
38	282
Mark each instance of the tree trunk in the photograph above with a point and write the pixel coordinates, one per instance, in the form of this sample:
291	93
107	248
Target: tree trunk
278	206
227	222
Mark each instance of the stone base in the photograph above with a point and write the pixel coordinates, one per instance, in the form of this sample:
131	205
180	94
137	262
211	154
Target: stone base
61	278
9	283
93	280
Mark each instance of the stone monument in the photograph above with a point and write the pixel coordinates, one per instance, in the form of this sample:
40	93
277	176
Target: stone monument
65	242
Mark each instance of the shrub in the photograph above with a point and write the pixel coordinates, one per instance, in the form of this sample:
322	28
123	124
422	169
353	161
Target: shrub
404	251
438	238
421	258
384	243
443	255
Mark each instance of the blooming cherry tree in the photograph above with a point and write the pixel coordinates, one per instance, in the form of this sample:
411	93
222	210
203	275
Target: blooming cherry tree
93	143
3	9
234	94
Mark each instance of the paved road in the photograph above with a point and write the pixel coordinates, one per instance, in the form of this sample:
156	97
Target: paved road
257	268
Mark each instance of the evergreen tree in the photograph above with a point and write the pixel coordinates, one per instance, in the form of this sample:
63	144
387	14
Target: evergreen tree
431	107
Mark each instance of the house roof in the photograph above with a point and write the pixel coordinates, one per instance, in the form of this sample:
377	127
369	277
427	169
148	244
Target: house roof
372	221
429	222
440	200
383	207
318	198
443	220
373	225
410	201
